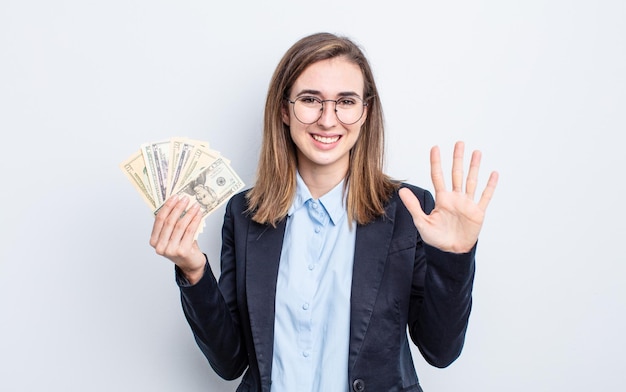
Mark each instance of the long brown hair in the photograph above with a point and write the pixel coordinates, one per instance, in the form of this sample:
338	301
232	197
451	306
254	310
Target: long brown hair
369	188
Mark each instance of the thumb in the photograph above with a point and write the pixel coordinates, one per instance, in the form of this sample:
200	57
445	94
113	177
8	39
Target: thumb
412	204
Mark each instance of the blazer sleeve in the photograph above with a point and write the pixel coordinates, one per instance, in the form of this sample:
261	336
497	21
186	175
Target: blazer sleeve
441	298
211	311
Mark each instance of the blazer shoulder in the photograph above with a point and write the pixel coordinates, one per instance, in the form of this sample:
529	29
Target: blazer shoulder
418	191
423	195
239	201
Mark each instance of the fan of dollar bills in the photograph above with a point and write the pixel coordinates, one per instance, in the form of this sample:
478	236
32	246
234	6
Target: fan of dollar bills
182	166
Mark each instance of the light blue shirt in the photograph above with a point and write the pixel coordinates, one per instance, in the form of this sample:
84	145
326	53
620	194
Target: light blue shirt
312	321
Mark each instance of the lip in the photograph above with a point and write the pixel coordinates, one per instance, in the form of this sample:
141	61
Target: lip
325	140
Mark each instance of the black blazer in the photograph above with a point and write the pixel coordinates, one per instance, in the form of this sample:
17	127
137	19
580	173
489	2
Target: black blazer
397	281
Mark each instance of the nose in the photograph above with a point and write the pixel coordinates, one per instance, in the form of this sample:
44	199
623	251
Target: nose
328	117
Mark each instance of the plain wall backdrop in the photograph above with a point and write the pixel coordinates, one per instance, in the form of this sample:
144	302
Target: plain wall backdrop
538	85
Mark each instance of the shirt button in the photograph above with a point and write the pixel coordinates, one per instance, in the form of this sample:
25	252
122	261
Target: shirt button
311	267
305	354
314	205
305	306
318	229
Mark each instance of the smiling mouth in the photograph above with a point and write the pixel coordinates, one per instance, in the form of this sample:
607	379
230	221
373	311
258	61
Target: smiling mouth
326	139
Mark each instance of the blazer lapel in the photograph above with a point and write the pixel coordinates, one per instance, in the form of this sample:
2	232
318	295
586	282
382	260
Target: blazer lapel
372	245
263	255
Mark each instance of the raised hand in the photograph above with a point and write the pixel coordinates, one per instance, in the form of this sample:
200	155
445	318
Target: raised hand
454	224
173	236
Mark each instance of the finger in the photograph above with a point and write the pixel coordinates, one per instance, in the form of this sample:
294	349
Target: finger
436	174
412	204
472	176
487	194
179	237
457	167
165	237
160	218
191	231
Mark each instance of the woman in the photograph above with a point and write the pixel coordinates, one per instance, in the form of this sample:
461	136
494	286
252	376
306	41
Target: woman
327	260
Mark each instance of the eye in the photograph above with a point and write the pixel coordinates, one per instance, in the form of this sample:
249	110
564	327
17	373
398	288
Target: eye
309	100
346	102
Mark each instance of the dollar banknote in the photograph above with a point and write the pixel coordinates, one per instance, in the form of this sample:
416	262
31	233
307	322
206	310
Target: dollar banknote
156	155
187	157
135	169
212	186
200	159
182	166
181	150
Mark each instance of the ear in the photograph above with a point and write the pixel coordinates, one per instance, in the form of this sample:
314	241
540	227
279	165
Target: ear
285	113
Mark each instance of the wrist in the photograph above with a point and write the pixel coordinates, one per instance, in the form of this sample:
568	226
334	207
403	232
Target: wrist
194	274
193	277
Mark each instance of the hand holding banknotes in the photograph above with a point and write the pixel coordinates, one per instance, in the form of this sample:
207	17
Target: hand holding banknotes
174	236
182	181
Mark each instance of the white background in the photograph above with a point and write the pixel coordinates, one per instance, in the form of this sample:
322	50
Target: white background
538	86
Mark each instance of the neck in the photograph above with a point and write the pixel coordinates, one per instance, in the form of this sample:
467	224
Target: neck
321	180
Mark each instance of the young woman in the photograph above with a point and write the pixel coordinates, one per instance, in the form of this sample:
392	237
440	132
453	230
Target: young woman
327	260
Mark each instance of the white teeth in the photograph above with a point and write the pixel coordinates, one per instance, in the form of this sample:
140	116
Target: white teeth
326	140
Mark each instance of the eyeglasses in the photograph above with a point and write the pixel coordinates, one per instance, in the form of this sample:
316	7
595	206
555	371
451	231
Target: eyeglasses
308	110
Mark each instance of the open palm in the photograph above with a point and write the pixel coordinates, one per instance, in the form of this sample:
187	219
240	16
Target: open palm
454	224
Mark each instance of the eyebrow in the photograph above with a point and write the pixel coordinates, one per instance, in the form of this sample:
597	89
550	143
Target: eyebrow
317	92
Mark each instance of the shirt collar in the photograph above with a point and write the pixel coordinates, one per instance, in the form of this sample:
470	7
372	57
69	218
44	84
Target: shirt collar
333	201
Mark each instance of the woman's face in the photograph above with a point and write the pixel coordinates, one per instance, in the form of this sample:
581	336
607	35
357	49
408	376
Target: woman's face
326	144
